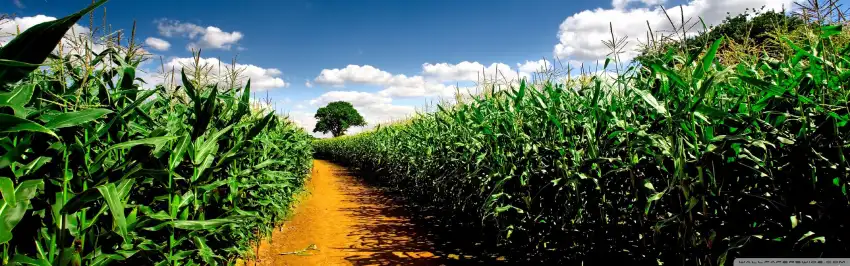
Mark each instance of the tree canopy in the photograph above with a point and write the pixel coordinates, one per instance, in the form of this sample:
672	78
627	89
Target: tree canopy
337	117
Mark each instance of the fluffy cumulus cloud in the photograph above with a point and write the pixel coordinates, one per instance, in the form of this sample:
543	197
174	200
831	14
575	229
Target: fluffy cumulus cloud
201	37
394	85
261	78
581	34
621	4
435	80
469	71
353	74
530	67
157	44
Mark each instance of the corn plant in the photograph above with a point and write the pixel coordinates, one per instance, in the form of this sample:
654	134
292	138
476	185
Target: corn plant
98	170
681	161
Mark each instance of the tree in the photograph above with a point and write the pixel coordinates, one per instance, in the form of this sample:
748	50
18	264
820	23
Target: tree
337	117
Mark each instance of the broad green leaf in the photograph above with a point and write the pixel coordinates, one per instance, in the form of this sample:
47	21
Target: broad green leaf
116	208
8	190
259	127
179	150
708	59
18	97
243	103
655	196
23	259
649	99
76	118
201	225
830	30
79	201
154	141
13	124
10	216
11	63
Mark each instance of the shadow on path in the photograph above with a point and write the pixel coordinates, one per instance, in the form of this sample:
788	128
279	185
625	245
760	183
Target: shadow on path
388	235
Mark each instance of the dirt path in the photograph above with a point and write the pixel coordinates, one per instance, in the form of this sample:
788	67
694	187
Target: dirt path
350	223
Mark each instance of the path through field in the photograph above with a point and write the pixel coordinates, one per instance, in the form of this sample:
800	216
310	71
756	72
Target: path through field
350	223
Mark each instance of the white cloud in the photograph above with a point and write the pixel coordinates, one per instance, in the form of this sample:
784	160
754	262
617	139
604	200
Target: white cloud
353	74
530	67
432	82
581	34
202	37
394	85
621	4
308	84
261	78
468	71
157	44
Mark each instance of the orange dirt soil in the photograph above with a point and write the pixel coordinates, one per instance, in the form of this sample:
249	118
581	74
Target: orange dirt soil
342	221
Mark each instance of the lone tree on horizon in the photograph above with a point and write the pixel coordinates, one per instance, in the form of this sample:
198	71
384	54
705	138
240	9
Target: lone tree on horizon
337	117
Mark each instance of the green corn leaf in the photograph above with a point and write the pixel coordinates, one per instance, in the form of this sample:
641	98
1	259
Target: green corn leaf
79	201
18	97
191	91
201	225
13	124
243	103
8	190
204	251
655	196
649	99
10	216
179	150
116	208
155	141
12	63
136	103
34	44
23	259
670	75
128	75
708	59
259	127
76	118
204	115
830	30
706	84
209	145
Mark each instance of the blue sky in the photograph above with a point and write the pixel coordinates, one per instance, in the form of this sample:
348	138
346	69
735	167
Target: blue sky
387	57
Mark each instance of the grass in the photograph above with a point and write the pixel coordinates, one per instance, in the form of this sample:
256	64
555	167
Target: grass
97	169
680	160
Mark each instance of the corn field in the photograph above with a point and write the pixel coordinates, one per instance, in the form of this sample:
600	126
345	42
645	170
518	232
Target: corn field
681	160
98	170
